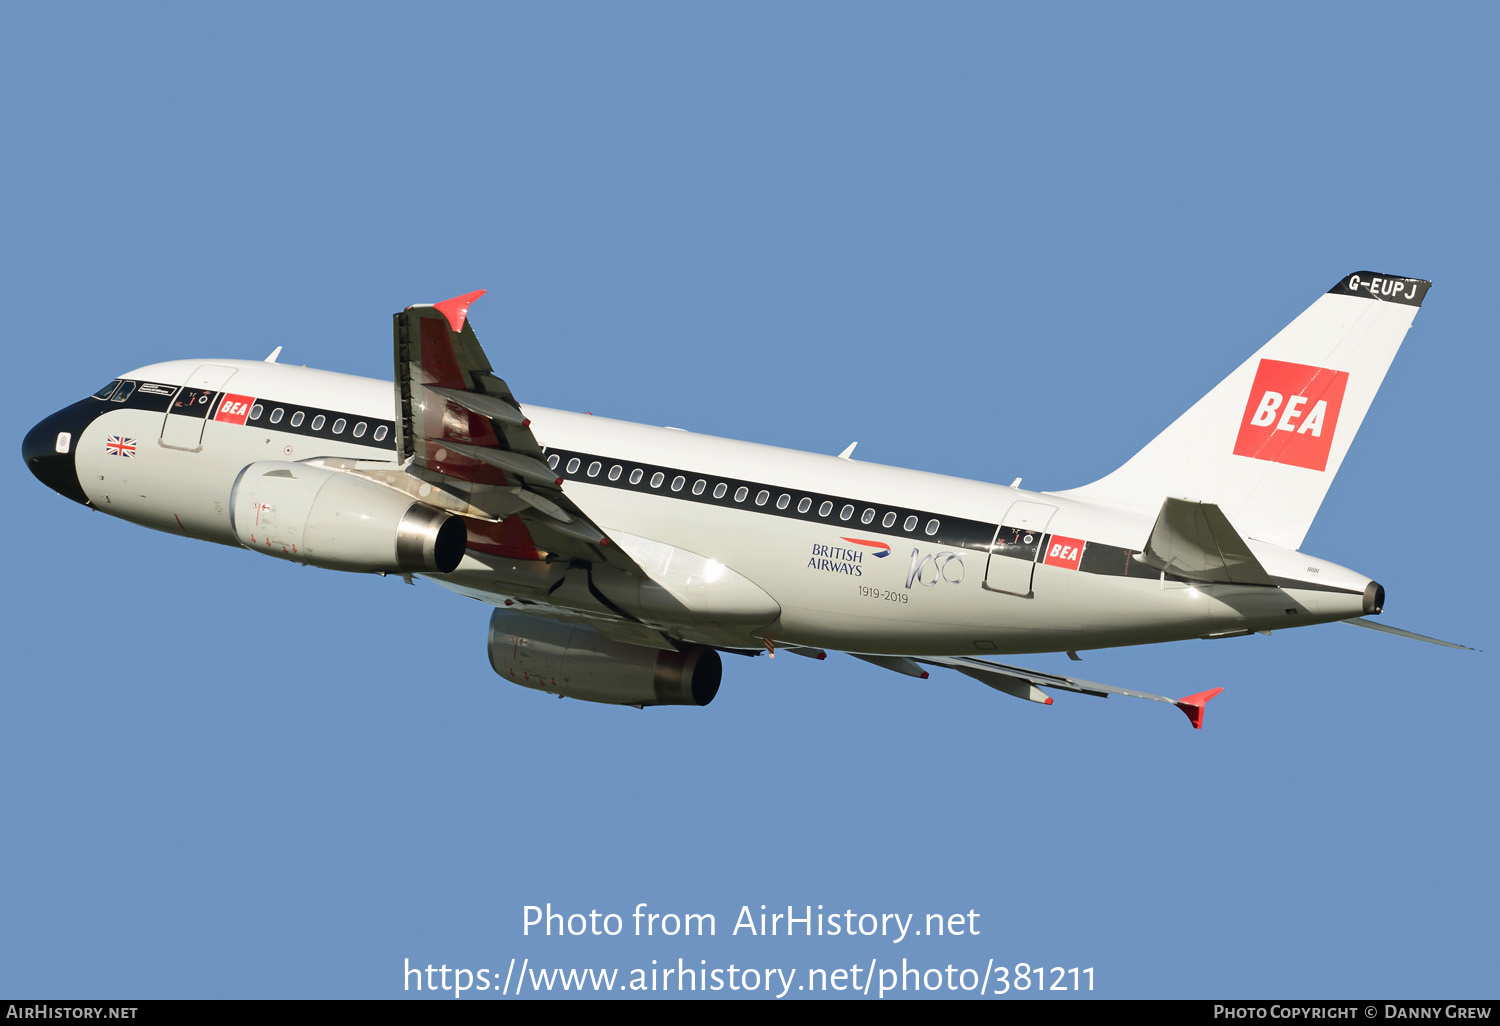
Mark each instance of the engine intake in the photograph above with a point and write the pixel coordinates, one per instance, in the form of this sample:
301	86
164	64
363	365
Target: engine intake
577	661
341	522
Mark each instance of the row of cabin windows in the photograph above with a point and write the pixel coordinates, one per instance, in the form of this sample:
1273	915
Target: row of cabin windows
804	504
360	427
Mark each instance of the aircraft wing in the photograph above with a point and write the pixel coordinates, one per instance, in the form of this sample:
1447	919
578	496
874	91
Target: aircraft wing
461	424
1026	684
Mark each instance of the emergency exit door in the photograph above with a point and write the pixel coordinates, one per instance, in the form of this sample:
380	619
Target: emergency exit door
1013	554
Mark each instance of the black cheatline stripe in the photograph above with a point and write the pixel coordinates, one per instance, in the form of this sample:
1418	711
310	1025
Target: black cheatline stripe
263	422
952	532
144	398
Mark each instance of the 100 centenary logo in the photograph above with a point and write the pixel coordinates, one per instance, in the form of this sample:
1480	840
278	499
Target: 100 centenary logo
928	570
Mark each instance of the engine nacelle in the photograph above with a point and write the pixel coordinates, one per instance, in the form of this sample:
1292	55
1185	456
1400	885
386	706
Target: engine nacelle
578	662
341	522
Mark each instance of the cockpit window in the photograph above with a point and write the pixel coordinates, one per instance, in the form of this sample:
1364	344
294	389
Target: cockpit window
104	392
126	387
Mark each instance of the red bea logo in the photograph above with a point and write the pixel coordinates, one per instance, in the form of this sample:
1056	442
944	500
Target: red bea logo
235	408
1064	552
1291	414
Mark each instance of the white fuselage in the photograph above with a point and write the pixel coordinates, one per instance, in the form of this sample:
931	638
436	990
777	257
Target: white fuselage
853	556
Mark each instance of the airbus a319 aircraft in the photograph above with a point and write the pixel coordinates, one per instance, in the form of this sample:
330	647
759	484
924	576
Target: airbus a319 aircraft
622	559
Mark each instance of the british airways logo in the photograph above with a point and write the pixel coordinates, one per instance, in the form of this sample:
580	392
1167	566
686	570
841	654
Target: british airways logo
836	559
880	549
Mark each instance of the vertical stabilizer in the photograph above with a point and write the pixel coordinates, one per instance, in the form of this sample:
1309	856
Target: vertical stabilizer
1265	444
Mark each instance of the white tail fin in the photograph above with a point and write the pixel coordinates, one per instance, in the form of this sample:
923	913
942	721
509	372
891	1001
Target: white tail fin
1265	443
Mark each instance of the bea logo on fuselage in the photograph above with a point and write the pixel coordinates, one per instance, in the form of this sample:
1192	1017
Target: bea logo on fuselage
1291	414
1064	552
234	409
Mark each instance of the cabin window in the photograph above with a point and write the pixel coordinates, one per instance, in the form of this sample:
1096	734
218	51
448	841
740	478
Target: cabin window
594	468
699	485
804	504
359	429
761	497
277	414
381	432
888	521
318	422
932	526
783	501
720	489
339	425
574	464
257	411
636	475
910	524
846	512
678	482
554	460
740	493
614	472
297	419
825	509
657	478
868	516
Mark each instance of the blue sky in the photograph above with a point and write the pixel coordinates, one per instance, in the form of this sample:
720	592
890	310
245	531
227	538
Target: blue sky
985	241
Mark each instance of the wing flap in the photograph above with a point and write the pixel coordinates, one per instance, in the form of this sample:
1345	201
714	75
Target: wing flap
524	467
484	404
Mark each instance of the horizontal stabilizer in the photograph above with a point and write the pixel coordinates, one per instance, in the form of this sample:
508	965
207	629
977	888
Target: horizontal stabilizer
1195	540
1360	621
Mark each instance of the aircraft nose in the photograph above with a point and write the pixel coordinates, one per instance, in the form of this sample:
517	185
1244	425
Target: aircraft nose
48	449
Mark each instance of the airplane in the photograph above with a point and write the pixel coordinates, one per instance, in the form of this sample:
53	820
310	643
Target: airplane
622	559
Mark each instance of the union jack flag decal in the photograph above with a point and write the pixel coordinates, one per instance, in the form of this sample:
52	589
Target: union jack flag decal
118	445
